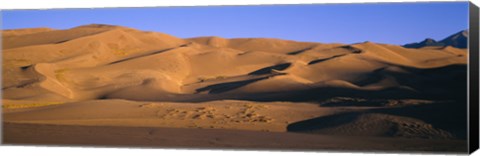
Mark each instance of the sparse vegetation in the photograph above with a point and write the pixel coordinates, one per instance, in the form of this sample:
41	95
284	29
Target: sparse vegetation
203	79
118	51
29	105
16	62
60	74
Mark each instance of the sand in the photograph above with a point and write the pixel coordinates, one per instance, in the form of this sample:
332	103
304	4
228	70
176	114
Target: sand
107	78
214	138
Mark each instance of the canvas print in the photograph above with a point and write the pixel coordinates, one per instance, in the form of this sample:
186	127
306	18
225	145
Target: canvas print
355	77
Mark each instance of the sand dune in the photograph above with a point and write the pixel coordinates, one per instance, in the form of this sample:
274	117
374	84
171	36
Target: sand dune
103	75
19	32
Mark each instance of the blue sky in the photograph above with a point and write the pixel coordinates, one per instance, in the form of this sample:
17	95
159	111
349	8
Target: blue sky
393	23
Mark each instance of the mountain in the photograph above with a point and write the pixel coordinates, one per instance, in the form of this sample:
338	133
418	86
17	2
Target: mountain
458	40
427	42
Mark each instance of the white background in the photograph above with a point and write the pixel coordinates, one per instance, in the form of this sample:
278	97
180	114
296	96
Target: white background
87	151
